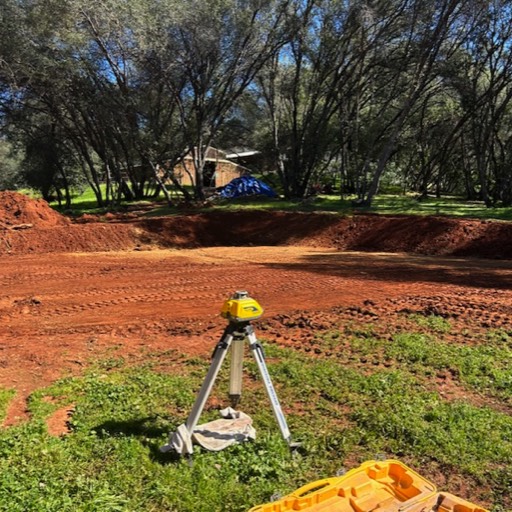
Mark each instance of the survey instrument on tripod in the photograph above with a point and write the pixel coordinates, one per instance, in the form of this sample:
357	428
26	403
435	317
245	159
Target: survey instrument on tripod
240	309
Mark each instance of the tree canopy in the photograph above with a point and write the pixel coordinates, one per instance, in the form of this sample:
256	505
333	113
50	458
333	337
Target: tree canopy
353	95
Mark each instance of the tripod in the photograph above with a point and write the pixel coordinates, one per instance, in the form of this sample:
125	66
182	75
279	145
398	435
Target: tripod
239	310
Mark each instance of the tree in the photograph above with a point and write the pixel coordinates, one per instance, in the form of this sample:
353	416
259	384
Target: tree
217	48
483	80
424	36
304	87
10	175
89	67
123	91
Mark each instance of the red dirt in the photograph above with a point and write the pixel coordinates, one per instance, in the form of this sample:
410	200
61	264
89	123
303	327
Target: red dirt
66	301
49	232
58	312
417	235
18	209
57	309
57	423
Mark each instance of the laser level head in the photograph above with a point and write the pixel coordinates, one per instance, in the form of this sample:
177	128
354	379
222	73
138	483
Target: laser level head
241	308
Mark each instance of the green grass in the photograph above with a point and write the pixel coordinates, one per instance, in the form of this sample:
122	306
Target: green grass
482	364
434	322
390	204
338	407
482	367
85	202
382	204
6	395
450	206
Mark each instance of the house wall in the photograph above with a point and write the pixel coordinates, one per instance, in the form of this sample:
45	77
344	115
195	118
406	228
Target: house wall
180	172
225	171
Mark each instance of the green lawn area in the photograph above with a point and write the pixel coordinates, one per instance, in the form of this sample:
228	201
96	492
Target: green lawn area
370	396
382	204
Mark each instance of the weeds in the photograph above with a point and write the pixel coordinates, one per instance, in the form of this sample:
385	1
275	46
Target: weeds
6	395
433	322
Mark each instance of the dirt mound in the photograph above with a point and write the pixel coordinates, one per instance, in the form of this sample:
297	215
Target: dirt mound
32	226
96	237
17	210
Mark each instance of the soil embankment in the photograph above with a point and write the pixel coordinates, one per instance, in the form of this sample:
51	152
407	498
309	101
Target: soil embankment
374	233
30	226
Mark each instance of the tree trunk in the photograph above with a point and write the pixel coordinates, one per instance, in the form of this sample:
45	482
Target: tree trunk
161	185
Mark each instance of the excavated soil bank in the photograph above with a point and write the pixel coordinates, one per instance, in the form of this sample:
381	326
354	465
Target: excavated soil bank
374	233
38	229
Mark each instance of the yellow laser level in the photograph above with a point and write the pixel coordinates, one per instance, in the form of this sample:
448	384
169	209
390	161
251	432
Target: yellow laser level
241	308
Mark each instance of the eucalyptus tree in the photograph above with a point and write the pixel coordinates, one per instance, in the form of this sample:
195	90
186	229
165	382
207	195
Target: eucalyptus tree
118	101
131	66
42	72
340	92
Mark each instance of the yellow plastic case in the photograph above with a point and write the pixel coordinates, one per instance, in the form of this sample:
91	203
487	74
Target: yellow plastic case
450	503
374	486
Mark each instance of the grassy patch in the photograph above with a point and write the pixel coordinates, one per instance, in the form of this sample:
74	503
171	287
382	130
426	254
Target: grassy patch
85	202
383	204
451	206
6	395
110	461
406	421
434	322
484	366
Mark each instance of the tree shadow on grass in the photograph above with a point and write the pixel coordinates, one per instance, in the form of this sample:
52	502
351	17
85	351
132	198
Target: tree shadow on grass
148	430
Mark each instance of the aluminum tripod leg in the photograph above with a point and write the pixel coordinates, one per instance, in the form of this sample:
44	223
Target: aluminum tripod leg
237	363
181	440
257	351
219	354
234	337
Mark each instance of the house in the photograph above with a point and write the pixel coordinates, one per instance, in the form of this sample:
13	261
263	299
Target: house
218	169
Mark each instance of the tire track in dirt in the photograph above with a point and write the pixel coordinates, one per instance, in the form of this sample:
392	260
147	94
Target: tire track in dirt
102	303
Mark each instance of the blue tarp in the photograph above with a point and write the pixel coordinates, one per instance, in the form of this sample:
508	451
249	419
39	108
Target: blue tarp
246	186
